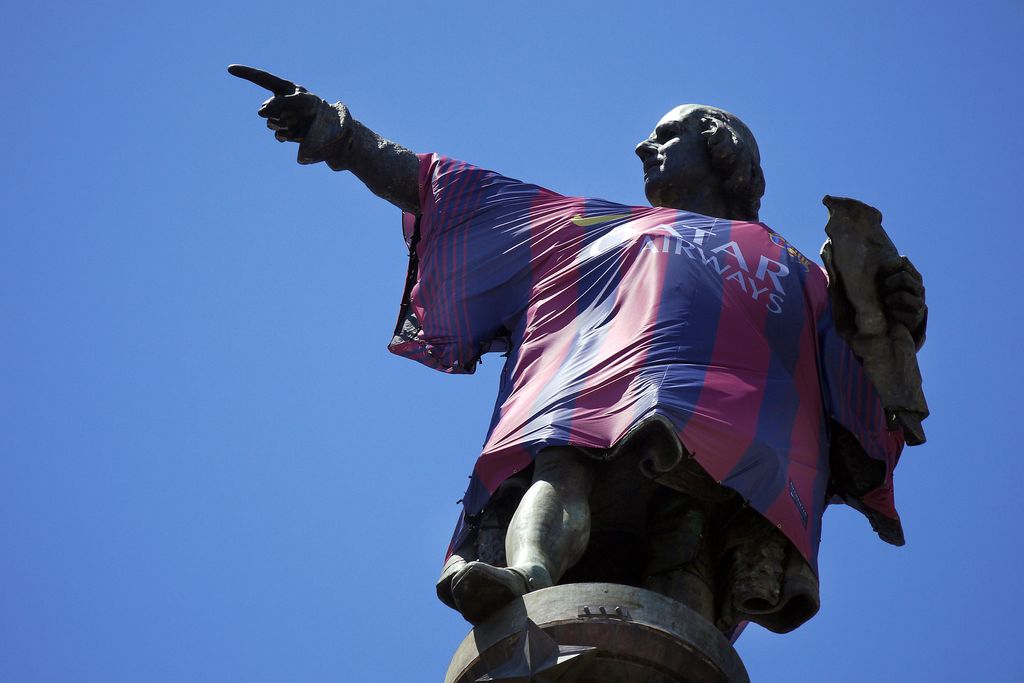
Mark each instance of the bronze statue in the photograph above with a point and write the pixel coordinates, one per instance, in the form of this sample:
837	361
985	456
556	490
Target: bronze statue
682	533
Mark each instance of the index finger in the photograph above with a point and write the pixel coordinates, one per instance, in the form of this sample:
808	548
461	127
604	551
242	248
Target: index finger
274	84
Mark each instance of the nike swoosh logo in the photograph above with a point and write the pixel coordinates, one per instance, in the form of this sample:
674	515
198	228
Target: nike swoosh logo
583	222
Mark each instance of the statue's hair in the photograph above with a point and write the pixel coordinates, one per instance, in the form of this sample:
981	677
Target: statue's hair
734	155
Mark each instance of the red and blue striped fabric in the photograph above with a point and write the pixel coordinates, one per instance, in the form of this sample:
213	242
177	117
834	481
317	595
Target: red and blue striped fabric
612	314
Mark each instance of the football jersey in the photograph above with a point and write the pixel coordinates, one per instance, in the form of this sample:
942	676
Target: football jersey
610	314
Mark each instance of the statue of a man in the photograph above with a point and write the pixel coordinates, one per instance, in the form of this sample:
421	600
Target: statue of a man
676	408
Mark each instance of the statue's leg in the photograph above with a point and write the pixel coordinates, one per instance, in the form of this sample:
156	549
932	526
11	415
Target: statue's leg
551	527
680	560
547	535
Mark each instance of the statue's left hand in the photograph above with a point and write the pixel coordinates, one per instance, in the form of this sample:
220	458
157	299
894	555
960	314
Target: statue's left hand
902	292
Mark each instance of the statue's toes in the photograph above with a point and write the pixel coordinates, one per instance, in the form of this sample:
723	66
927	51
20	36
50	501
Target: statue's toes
480	590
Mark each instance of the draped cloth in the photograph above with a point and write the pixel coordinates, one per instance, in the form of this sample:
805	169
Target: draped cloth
611	316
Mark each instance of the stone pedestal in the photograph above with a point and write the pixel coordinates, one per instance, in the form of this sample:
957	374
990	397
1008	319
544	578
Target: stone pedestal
596	633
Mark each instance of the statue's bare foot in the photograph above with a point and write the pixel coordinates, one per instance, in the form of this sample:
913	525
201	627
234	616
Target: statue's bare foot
480	590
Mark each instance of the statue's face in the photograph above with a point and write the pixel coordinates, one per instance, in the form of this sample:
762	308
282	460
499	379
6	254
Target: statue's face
677	165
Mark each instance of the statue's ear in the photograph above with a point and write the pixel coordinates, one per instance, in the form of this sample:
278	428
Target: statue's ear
723	144
738	166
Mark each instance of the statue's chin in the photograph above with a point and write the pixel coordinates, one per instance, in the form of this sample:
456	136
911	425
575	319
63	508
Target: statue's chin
662	192
654	193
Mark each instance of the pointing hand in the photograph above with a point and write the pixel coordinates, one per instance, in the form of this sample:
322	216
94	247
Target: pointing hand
290	112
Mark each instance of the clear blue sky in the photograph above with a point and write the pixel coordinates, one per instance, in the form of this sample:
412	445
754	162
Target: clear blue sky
212	470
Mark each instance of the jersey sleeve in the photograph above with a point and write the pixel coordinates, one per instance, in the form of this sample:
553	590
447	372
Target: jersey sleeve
863	450
469	255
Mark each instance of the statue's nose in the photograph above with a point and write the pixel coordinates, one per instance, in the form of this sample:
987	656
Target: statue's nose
645	149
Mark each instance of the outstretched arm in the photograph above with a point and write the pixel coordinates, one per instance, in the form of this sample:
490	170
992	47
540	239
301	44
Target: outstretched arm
327	132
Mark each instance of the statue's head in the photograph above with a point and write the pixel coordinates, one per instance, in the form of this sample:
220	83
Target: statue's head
703	159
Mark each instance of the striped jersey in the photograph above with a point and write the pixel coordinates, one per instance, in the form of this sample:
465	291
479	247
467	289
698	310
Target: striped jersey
611	314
